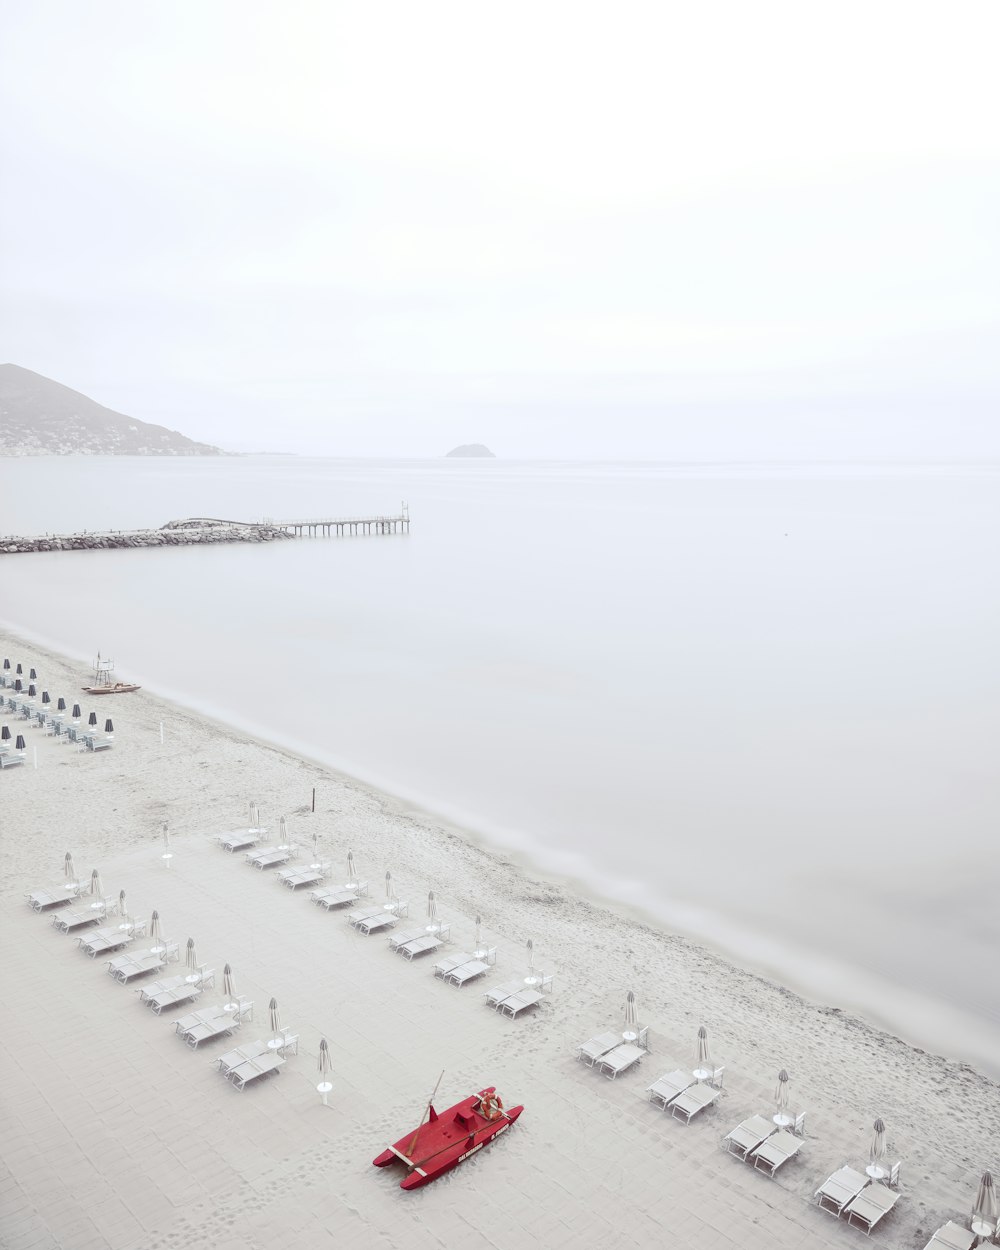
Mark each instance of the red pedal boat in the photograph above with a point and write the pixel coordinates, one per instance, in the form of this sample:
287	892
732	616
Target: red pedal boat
442	1141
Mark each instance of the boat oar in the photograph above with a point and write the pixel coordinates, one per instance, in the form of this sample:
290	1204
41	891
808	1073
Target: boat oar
413	1142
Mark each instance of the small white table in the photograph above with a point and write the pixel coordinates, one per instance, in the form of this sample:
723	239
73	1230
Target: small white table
983	1230
877	1173
783	1120
701	1074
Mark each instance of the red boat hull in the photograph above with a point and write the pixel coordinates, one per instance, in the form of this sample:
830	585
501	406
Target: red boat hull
445	1141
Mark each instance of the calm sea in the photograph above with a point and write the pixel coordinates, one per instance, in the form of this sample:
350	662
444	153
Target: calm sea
759	702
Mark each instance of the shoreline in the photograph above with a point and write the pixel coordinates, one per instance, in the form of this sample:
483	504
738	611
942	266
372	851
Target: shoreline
819	979
392	1025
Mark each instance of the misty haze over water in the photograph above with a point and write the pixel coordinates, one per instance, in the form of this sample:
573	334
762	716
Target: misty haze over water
757	702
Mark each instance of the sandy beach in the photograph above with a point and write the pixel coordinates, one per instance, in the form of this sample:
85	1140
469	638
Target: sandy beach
116	1135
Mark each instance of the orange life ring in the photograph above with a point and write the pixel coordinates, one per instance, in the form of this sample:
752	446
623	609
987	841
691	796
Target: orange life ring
491	1106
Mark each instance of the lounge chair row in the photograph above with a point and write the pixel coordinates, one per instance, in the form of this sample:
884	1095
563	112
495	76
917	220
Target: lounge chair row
462	968
516	996
683	1095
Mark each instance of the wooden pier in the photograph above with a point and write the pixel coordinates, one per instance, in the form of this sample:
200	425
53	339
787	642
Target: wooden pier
339	526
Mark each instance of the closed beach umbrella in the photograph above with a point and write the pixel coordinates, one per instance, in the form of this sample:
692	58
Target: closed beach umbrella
282	831
479	938
5	734
45	697
272	1009
123	910
254	816
32	692
32	675
352	874
68	869
704	1058
324	1067
109	727
155	933
985	1209
190	958
388	885
877	1152
61	704
6	665
19	670
17	685
228	988
92	720
76	714
631	1013
781	1093
19	743
96	885
531	955
166	836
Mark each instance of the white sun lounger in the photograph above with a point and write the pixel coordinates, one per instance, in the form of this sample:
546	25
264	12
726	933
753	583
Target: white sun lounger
498	993
104	940
516	1003
242	1054
140	963
333	898
952	1236
840	1189
694	1099
294	877
42	900
874	1202
467	972
67	921
221	1024
184	993
419	946
238	841
396	940
592	1050
450	963
747	1136
369	924
774	1151
614	1062
268	857
667	1088
253	1069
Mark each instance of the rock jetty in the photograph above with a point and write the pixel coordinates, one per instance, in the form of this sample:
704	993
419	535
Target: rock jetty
173	535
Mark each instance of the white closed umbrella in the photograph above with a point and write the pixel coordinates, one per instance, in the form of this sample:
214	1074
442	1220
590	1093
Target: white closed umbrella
704	1061
480	950
876	1152
324	1067
985	1210
167	852
352	875
97	889
432	913
275	1019
282	833
228	990
70	872
254	817
631	1033
124	922
781	1093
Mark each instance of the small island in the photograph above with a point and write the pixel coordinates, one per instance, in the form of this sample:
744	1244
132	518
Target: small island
472	449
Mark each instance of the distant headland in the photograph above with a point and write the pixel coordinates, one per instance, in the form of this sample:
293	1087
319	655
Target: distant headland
474	450
40	417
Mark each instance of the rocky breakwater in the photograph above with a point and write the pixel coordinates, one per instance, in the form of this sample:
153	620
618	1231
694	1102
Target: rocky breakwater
176	534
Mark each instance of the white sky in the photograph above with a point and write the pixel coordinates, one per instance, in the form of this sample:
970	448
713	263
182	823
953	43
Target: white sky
661	229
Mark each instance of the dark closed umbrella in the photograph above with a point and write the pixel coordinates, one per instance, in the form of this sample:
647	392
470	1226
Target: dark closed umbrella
17	685
92	719
32	692
5	734
32	676
108	726
61	704
19	744
6	665
20	670
45	697
76	713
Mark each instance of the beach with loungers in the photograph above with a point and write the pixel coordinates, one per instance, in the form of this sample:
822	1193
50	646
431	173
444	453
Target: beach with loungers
163	1087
